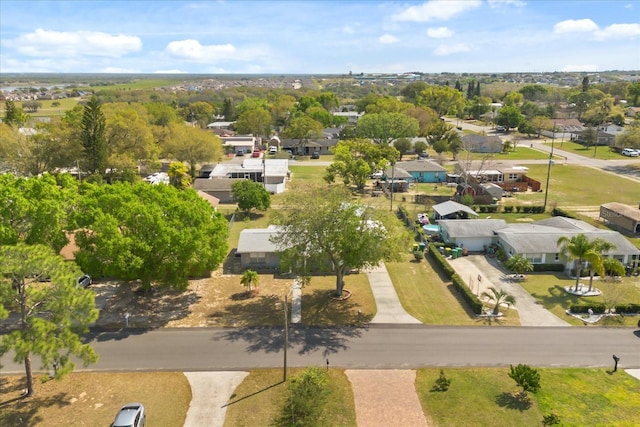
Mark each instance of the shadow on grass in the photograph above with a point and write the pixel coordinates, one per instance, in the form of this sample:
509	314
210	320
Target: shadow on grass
240	399
458	296
23	411
510	401
321	309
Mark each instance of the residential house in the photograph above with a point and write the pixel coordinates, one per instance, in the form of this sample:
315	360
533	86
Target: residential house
621	216
477	143
256	249
216	187
423	170
244	144
585	136
272	172
473	234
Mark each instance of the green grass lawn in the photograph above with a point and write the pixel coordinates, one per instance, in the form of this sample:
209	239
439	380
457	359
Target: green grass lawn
521	152
427	297
486	397
307	173
548	290
599	152
258	399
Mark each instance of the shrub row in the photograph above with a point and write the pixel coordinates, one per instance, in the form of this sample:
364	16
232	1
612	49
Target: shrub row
468	296
508	209
597	308
561	212
548	267
630	308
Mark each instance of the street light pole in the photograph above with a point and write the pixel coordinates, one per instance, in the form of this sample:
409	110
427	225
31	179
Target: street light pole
546	191
286	340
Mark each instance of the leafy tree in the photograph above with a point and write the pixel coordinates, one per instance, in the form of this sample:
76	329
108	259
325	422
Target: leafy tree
328	100
179	175
498	296
411	91
319	114
630	137
519	264
52	315
190	145
526	377
443	137
596	264
356	159
250	195
633	92
31	106
580	249
442	383
200	112
308	395
227	109
322	228
513	99
442	99
152	233
249	280
36	210
251	104
425	117
478	106
419	146
403	145
509	117
303	128
161	114
256	122
613	267
550	419
533	92
384	128
14	116
527	128
93	137
388	104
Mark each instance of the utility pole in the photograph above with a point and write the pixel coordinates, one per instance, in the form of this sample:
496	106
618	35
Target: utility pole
286	340
546	191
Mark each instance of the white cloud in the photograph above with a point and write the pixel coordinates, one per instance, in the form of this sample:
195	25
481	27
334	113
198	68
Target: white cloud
628	6
436	10
170	72
449	49
192	50
347	29
42	43
387	39
575	26
499	3
572	68
618	31
439	33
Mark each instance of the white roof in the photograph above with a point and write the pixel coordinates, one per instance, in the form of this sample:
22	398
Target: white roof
257	240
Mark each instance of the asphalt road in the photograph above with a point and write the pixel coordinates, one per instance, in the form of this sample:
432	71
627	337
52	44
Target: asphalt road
372	347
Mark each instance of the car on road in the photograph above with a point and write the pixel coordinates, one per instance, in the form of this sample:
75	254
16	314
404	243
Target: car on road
256	152
85	281
423	155
315	155
630	152
501	129
273	149
131	415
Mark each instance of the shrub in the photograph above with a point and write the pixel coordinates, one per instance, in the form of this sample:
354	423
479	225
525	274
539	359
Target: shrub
598	308
526	377
308	397
469	297
442	383
550	419
561	212
508	209
631	308
548	267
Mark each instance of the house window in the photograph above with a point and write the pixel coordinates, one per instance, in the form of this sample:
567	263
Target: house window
257	258
557	258
513	177
534	258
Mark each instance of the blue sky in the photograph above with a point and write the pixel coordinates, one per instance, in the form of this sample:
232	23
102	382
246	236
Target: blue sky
318	37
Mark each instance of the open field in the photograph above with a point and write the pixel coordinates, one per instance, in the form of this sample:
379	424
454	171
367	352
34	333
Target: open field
93	399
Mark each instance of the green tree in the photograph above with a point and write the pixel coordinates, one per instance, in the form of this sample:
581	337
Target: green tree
411	91
250	195
498	296
526	377
190	145
250	279
321	228
256	122
442	99
580	249
630	137
613	267
52	315
303	128
227	109
308	395
93	137
633	92
152	233
513	99
527	128
179	175
519	264
36	210
161	114
596	264
478	106
443	137
533	92
356	159
201	112
509	117
403	145
384	128
14	116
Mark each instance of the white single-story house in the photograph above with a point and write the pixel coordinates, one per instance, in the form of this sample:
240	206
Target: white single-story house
245	143
256	249
537	241
272	172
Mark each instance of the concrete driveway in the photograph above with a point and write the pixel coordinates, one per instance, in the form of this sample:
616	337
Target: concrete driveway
472	267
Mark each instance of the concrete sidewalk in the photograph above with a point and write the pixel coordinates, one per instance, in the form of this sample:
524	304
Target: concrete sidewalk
472	267
210	392
389	309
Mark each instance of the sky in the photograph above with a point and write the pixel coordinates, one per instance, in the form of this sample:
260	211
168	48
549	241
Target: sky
318	37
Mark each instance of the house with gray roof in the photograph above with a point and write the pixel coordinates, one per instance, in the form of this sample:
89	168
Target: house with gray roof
620	216
473	234
451	210
477	143
422	170
219	188
256	249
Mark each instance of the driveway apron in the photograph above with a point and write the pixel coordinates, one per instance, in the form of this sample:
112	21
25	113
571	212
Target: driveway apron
389	309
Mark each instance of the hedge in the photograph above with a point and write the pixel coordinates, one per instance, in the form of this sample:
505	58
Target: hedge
548	267
630	308
597	308
561	212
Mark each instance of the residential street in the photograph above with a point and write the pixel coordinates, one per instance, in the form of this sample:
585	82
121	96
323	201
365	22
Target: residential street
372	347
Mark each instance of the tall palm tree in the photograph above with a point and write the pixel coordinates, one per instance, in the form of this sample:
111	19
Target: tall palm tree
249	279
580	249
498	296
597	265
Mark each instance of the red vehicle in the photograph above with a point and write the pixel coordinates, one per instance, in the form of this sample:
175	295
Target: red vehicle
256	152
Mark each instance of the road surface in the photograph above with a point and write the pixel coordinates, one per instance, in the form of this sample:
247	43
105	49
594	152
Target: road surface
372	347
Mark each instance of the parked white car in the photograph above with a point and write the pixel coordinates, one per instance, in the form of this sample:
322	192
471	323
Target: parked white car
630	152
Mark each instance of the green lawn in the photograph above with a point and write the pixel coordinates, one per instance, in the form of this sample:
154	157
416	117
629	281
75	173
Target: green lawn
521	152
427	297
257	400
485	397
600	152
548	290
307	173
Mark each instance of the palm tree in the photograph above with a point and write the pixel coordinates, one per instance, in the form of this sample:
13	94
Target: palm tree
519	264
498	296
580	249
597	265
249	279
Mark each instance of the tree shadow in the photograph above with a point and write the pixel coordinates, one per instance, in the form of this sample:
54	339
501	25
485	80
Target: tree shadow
510	401
320	309
271	340
231	264
252	394
20	410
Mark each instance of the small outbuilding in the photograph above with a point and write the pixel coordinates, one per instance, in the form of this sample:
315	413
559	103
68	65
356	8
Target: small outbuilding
621	217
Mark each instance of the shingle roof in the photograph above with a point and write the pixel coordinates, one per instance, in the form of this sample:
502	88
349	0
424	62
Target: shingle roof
449	207
624	210
257	240
213	184
471	227
420	166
